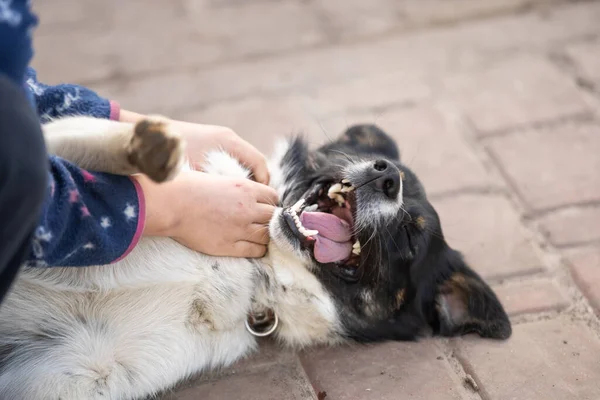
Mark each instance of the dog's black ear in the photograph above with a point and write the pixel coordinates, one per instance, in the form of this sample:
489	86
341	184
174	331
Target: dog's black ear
466	304
366	138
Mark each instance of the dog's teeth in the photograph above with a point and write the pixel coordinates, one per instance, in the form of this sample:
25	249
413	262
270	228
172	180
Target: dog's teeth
340	199
356	248
333	190
314	207
309	233
296	207
345	181
347	189
336	187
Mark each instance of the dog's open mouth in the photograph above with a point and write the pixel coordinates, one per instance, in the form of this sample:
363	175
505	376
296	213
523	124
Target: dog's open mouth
324	221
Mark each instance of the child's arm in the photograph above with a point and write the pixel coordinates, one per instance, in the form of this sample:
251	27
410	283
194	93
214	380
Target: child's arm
87	219
68	100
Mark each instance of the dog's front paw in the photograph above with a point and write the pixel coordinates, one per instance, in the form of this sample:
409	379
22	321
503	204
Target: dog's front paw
156	149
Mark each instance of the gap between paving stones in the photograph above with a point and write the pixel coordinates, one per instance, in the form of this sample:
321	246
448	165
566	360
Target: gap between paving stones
578	117
457	367
567	64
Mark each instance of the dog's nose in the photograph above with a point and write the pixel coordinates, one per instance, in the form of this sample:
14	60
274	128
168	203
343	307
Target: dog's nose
386	178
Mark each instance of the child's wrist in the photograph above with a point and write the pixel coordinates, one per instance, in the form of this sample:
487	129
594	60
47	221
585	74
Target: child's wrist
130	116
162	217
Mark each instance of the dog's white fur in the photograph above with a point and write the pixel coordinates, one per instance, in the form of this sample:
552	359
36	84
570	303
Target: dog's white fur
164	313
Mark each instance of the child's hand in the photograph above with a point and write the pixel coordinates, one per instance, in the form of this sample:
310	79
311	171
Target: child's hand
201	139
212	214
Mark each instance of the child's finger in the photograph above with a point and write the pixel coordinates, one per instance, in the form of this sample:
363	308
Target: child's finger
248	249
258	233
261	172
263	213
265	194
253	159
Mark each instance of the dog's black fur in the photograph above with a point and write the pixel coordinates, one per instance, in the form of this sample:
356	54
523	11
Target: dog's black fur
409	282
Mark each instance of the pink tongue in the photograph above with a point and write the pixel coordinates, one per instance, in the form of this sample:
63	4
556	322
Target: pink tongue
333	241
327	251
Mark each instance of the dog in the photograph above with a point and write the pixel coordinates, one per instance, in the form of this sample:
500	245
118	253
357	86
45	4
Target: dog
357	253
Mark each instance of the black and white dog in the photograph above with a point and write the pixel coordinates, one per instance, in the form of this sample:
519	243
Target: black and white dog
357	253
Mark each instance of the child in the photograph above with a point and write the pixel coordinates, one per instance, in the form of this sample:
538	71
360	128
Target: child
54	213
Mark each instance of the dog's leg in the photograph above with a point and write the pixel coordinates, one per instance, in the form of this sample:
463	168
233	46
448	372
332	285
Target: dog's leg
150	146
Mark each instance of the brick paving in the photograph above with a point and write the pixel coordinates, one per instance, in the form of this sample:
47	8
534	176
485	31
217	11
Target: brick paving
503	96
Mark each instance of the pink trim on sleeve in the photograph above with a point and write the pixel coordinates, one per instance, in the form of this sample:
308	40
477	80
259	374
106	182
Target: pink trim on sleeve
115	110
141	220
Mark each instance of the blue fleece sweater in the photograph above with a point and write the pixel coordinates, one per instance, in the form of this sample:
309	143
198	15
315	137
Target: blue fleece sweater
88	218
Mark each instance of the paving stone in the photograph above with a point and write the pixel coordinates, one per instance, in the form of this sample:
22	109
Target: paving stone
261	121
531	297
587	57
555	359
254	28
552	167
431	12
347	19
430	144
65	14
487	230
572	226
518	91
277	382
585	267
375	92
272	373
555	25
387	371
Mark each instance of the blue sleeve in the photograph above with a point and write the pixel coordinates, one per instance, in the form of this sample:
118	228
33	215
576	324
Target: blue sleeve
17	22
87	219
67	99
